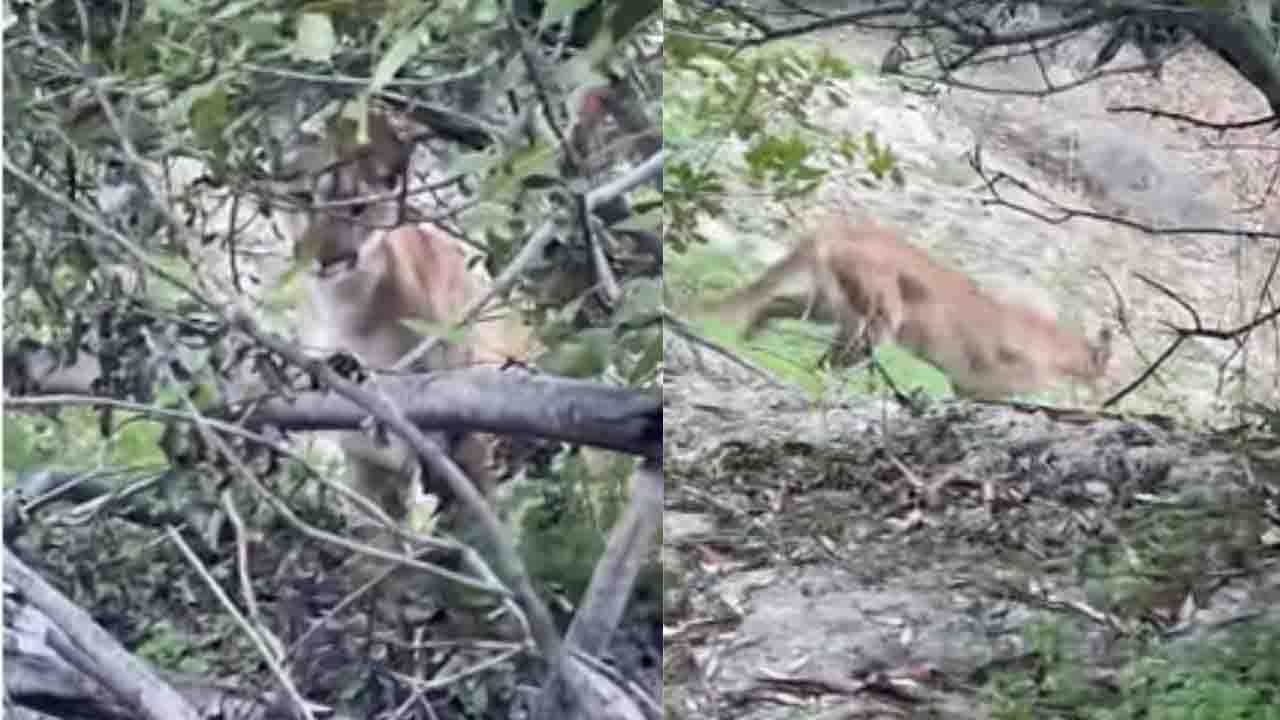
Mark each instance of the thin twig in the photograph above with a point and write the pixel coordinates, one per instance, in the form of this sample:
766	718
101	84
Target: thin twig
534	249
686	332
1195	121
270	658
992	182
242	563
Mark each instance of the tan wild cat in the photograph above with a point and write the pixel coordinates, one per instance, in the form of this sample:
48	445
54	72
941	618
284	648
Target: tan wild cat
373	269
877	287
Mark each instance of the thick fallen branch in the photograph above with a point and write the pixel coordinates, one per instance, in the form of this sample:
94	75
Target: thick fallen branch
498	401
504	402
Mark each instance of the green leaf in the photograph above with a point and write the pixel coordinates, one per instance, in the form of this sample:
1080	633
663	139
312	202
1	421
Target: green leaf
681	50
209	115
628	15
168	395
473	163
285	293
482	12
834	67
540	158
315	39
481	218
159	8
645	204
502	182
598	51
20	451
137	442
561	9
585	355
445	331
777	157
353	120
647	365
650	221
401	50
260	28
233	9
641	300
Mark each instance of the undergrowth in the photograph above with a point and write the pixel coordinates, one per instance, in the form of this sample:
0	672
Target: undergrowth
1236	678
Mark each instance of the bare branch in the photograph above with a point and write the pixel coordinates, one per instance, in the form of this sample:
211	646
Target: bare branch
1247	47
1062	213
1273	119
509	402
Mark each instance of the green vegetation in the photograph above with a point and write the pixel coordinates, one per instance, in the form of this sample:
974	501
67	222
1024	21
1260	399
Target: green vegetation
563	520
1236	677
1168	555
70	441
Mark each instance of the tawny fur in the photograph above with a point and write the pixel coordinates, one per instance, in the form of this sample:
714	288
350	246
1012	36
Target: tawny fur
877	287
406	273
369	280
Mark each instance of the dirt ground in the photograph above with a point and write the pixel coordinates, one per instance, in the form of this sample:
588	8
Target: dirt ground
852	559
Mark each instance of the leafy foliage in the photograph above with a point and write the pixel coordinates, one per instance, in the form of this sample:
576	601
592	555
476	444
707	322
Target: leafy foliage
1236	677
718	97
563	517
